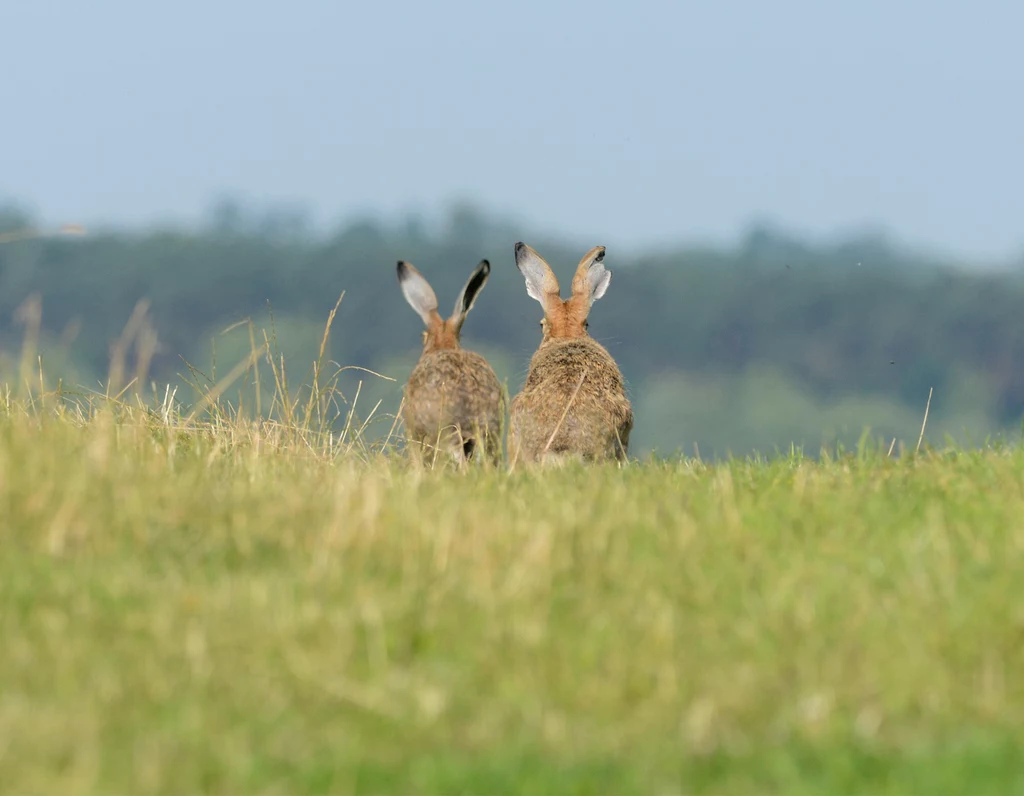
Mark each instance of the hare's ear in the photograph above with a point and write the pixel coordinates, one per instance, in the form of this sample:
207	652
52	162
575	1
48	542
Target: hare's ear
417	291
540	281
592	278
464	303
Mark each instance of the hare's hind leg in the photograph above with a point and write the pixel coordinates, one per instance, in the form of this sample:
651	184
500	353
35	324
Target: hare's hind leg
435	450
492	447
418	452
480	447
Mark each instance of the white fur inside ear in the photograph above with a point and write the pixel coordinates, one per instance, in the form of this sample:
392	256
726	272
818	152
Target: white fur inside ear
599	278
419	294
535	273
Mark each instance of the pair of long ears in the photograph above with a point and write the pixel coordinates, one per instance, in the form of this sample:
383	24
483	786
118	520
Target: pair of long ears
421	297
588	284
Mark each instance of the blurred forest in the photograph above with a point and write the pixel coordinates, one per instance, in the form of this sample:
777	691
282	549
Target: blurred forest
772	343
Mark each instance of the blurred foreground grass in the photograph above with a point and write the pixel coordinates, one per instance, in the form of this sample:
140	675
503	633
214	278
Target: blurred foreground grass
223	608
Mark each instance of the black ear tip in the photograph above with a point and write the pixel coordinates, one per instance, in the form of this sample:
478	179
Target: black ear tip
520	246
402	270
485	266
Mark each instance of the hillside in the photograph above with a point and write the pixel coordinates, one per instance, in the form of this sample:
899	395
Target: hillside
227	607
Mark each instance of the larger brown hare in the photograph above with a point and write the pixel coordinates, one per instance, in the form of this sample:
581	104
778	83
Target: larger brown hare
574	401
453	400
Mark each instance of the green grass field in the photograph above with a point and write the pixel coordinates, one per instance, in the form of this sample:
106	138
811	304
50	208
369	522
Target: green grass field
222	607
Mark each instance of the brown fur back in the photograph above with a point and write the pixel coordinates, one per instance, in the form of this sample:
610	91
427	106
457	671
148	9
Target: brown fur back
599	417
453	399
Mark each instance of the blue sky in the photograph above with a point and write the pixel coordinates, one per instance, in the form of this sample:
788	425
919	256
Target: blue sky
636	123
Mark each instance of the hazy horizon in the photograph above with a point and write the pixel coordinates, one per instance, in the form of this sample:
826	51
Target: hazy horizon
641	125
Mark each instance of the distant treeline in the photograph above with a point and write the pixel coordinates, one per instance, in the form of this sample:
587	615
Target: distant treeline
856	323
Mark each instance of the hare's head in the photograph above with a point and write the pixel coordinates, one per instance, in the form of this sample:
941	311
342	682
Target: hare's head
564	319
440	333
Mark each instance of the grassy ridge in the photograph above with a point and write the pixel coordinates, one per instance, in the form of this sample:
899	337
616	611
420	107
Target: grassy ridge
232	608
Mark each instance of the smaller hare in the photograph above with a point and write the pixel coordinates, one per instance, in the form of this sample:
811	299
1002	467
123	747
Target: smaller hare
574	401
453	399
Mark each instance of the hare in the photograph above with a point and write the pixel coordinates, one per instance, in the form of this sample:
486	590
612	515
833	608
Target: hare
574	403
453	399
